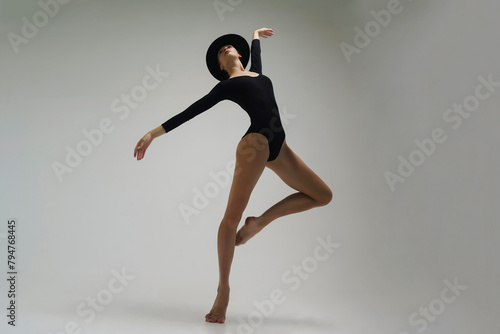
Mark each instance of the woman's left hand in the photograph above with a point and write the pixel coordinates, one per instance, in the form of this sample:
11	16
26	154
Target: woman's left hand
264	32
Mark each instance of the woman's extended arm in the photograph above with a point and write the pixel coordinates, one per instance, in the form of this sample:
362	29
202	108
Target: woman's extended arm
205	103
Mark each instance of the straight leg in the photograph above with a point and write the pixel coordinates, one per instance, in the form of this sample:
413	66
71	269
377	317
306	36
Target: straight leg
250	163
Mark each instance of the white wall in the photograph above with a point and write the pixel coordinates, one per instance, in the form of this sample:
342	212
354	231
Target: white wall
353	118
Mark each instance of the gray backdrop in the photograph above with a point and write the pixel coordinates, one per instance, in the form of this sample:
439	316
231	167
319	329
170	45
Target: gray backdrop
393	104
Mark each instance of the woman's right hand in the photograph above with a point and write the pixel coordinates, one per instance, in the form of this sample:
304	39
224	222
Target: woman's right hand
142	146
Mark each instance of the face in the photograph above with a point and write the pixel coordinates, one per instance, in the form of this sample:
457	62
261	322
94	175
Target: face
226	52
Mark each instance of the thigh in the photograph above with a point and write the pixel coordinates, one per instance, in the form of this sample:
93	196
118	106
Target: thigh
296	174
251	158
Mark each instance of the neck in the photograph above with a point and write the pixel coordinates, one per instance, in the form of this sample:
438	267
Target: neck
234	68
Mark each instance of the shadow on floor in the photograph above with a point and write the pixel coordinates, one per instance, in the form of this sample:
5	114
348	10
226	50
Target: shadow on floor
193	318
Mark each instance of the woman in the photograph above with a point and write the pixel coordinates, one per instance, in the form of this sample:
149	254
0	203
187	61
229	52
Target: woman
263	145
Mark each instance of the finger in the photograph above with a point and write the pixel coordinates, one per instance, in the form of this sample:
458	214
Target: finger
139	143
137	147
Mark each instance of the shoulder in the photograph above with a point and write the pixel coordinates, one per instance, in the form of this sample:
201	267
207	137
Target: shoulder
220	90
219	86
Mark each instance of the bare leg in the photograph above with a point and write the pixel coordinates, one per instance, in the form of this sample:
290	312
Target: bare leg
294	203
248	169
312	192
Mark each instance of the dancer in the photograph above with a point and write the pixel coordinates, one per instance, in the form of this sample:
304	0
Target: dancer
263	145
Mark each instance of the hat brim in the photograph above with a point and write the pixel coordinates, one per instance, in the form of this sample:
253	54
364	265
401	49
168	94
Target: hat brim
238	42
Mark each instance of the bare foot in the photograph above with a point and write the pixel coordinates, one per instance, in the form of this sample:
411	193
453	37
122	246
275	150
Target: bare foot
247	231
218	312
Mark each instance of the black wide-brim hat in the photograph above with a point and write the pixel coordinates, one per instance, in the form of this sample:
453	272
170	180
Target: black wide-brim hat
238	42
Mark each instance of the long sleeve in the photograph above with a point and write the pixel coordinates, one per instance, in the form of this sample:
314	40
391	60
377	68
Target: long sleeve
206	102
255	57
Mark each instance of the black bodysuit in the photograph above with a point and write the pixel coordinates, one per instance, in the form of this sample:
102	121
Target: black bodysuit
254	94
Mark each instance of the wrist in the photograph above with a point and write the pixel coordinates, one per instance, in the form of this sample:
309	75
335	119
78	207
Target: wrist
256	34
155	133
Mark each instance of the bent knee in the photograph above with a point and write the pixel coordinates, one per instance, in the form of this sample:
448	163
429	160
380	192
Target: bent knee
325	197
